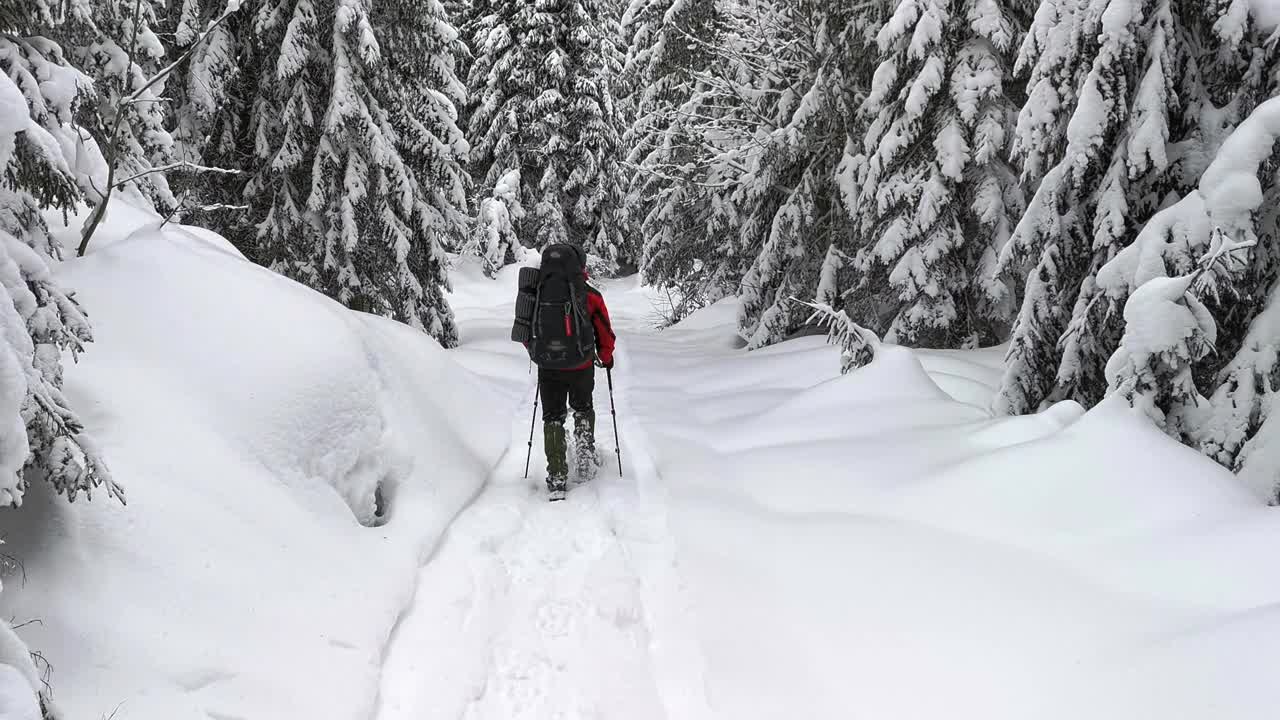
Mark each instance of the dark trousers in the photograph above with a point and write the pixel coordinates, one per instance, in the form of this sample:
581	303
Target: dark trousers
557	386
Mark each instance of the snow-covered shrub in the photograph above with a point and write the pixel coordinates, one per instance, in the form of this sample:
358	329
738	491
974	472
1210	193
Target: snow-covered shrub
494	238
40	435
1167	330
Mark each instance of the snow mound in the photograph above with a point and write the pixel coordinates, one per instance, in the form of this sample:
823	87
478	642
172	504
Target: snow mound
289	466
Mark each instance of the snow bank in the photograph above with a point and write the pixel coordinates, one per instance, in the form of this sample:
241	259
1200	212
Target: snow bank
289	465
19	679
17	700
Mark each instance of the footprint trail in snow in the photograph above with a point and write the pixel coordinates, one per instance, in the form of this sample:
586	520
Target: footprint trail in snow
550	611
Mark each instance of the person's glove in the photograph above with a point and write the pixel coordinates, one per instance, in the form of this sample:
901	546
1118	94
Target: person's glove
606	363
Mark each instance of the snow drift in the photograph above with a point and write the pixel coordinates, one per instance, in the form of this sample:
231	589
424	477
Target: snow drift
289	465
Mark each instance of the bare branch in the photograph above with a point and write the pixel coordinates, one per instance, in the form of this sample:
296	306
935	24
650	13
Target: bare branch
183	165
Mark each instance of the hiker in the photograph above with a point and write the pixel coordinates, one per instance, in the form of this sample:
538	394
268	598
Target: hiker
570	334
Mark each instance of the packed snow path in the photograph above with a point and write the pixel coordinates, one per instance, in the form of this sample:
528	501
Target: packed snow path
786	543
570	610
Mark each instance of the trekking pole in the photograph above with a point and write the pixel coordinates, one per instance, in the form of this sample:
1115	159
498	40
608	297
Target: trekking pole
617	444
532	421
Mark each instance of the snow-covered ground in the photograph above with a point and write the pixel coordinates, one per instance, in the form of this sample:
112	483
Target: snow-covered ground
783	542
787	543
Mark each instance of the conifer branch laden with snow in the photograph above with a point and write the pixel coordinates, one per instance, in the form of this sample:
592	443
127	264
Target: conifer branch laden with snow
1211	242
857	344
41	436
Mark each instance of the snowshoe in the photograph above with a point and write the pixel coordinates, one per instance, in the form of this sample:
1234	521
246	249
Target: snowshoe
586	463
557	488
586	458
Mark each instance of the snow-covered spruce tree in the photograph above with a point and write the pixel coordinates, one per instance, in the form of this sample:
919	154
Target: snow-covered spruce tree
787	195
542	103
934	198
207	110
351	171
672	45
41	436
1123	98
424	96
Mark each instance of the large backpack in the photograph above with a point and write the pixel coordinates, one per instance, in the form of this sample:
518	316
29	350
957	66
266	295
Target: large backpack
551	313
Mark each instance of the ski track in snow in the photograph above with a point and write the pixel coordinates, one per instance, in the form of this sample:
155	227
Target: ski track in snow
552	611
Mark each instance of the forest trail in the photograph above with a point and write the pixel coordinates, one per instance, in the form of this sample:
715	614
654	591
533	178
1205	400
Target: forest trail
571	610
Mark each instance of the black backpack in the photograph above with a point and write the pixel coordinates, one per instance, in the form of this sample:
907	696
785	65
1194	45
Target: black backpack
551	311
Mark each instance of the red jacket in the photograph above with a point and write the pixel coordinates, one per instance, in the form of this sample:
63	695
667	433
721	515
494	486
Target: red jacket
599	314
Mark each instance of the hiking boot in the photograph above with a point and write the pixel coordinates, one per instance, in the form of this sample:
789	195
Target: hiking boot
586	457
